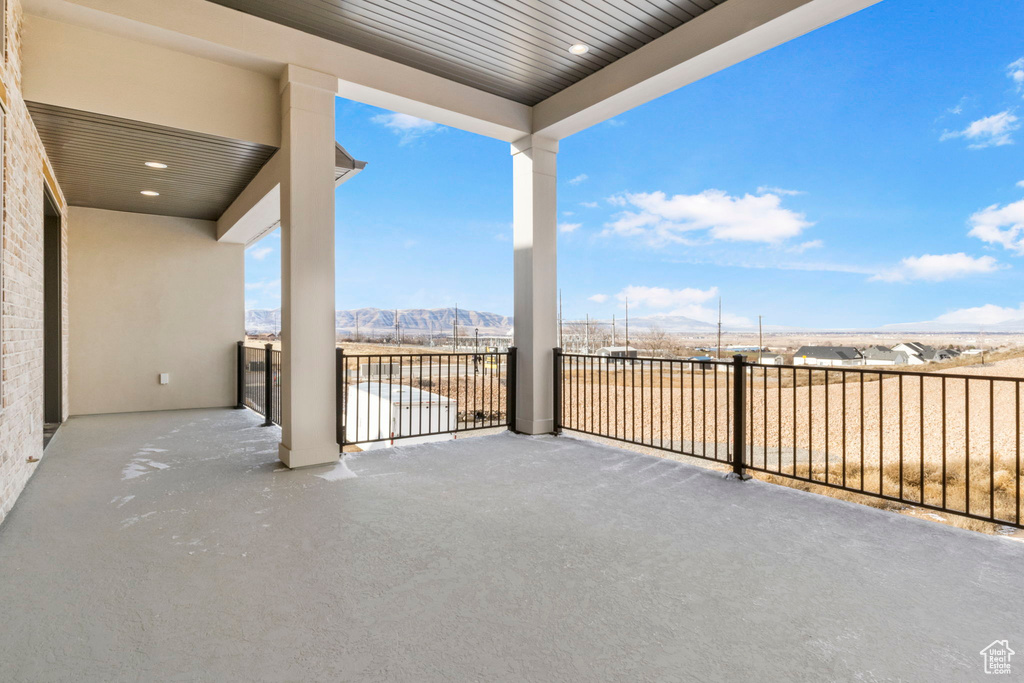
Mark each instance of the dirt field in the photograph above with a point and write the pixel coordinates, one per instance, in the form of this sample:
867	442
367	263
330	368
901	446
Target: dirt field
891	436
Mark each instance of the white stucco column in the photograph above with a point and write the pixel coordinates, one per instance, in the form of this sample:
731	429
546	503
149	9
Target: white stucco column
307	269
535	219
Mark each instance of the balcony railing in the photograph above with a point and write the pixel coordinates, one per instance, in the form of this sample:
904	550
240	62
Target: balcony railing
943	442
259	381
382	398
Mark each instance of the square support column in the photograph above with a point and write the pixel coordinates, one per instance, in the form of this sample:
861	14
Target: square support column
308	336
535	220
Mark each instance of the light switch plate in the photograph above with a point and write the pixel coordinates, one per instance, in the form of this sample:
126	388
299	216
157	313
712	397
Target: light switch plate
165	378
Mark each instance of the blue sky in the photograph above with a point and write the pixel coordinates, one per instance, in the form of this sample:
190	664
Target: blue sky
868	173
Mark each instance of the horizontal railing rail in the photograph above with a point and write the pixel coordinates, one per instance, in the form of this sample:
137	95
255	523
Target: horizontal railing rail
937	441
390	397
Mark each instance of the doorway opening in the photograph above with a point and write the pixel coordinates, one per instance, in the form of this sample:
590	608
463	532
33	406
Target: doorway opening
53	346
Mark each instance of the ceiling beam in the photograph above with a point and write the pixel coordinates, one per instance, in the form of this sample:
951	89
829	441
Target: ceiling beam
728	34
211	31
257	210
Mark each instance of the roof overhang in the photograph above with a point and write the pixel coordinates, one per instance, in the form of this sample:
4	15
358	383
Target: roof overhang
714	40
257	210
346	166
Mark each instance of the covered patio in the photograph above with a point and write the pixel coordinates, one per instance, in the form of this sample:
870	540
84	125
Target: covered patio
178	547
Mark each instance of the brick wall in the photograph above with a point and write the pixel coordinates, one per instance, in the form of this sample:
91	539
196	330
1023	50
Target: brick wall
21	315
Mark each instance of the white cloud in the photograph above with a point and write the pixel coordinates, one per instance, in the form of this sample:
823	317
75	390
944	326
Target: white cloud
568	213
1000	225
804	246
660	219
938	267
569	227
989	314
581	178
260	253
767	189
1020	183
598	298
593	205
1016	73
991	131
686	302
615	123
407	128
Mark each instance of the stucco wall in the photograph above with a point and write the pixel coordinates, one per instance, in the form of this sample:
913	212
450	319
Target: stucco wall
76	67
148	295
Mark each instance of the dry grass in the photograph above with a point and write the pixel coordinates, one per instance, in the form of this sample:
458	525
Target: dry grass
1005	486
800	429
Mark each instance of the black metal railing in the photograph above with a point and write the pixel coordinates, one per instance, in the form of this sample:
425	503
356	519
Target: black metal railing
943	442
387	397
681	406
259	381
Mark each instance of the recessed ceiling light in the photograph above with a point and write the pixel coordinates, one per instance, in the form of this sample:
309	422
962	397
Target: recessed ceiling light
579	49
155	164
150	193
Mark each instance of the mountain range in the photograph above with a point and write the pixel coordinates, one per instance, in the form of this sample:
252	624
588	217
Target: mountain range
1009	326
382	321
422	321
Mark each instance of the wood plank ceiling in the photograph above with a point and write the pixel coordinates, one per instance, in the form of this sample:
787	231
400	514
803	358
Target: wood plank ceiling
515	49
100	162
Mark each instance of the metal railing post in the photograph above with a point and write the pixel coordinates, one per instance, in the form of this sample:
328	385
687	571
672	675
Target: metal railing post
241	376
511	380
557	376
339	394
739	428
268	388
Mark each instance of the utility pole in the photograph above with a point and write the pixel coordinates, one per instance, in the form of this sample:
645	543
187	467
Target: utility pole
627	326
455	330
398	330
357	325
587	336
719	327
613	329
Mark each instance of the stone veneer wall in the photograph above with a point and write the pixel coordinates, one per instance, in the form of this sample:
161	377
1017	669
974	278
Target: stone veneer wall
21	314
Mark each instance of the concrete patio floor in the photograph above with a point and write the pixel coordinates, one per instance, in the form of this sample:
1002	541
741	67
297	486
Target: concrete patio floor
173	546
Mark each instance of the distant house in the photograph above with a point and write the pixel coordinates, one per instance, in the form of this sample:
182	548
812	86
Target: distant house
883	355
915	351
918	353
827	355
771	359
939	355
